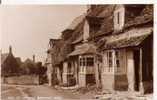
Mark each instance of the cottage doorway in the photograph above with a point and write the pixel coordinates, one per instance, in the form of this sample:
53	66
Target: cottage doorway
136	64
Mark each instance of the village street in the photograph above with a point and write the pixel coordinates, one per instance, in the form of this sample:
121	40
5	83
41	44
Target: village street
84	52
38	92
44	92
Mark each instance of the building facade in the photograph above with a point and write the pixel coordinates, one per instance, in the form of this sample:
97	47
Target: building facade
127	62
9	64
111	46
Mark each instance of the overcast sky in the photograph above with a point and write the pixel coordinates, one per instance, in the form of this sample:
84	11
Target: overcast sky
27	28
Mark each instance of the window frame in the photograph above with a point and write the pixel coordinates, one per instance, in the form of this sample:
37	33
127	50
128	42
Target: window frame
89	61
118	17
109	59
117	58
84	61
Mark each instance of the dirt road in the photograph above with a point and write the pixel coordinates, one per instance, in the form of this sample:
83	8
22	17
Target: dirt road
39	92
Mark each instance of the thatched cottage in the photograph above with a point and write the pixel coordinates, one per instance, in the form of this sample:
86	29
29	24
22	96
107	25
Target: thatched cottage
128	52
111	46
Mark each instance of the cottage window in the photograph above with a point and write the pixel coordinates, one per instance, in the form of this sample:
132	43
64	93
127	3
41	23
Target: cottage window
87	61
81	62
117	59
109	62
109	56
112	61
69	68
119	17
84	62
90	61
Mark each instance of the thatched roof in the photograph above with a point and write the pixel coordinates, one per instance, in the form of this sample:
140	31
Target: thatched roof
98	15
133	17
129	38
100	10
84	49
145	16
78	40
76	21
127	42
62	47
105	14
65	46
67	33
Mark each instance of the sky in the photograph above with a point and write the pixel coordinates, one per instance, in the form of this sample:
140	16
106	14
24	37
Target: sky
28	28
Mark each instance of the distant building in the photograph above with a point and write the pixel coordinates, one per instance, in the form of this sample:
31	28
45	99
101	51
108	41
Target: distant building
29	66
9	64
18	59
52	60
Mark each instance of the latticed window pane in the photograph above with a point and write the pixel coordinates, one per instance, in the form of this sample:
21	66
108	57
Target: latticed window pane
117	59
84	62
110	62
90	61
110	54
81	62
110	58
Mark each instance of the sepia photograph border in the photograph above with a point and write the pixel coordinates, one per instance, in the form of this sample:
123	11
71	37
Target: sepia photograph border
84	2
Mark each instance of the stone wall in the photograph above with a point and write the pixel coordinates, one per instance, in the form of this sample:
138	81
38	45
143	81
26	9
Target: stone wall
22	80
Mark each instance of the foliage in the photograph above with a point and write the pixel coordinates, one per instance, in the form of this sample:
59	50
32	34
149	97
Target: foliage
30	68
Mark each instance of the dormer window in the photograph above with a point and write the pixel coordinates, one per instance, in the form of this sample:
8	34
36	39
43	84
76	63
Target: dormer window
119	15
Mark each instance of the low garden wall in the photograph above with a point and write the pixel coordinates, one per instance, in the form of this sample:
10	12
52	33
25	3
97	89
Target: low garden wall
21	80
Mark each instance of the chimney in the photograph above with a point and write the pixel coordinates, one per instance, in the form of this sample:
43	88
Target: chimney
10	49
34	58
86	31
